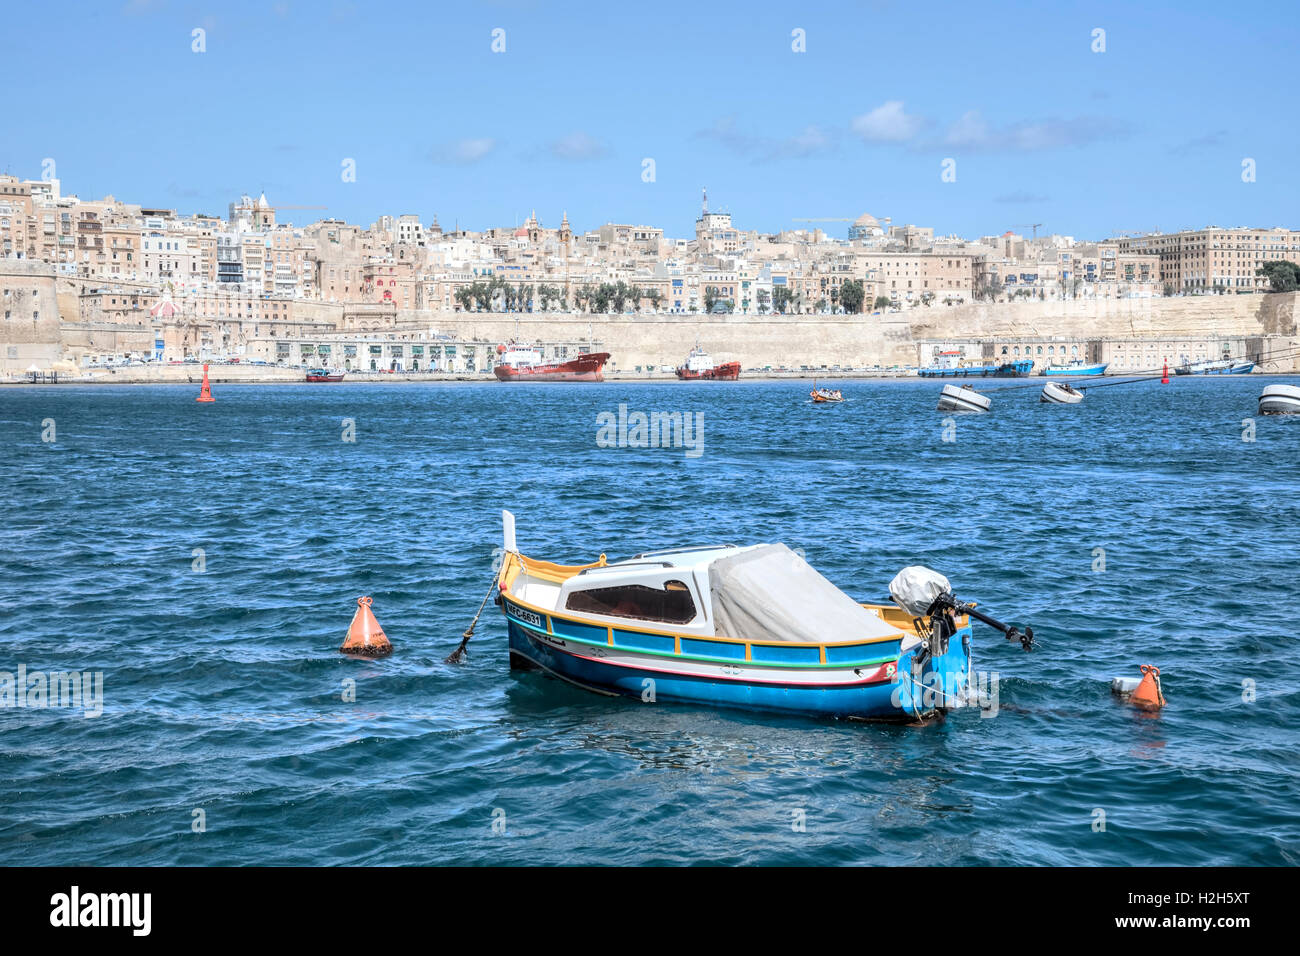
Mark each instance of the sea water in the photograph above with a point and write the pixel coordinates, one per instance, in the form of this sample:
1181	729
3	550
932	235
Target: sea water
204	562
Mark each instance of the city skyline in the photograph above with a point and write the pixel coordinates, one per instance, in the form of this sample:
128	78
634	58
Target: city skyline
1048	129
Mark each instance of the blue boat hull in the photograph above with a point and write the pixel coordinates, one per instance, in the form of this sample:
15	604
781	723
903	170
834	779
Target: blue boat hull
1098	369
1241	368
1017	369
846	692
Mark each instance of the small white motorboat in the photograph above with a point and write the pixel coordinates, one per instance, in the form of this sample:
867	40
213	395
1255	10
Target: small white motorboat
963	398
1061	394
1280	400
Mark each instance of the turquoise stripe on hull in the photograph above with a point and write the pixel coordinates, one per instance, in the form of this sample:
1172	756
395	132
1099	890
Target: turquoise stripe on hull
942	678
1098	369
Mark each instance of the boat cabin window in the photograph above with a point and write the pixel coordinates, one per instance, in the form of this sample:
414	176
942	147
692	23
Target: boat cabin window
672	605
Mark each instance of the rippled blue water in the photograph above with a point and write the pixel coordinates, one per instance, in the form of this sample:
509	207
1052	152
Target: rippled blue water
223	688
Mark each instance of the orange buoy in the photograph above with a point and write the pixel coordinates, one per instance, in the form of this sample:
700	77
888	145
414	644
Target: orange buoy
365	637
205	390
1164	379
1149	695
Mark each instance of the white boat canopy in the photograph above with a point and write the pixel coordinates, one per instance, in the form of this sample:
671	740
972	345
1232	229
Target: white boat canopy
769	593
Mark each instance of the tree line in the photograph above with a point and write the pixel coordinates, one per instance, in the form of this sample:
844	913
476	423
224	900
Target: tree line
495	294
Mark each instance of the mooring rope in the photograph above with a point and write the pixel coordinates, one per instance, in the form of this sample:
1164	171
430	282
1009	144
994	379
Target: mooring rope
459	653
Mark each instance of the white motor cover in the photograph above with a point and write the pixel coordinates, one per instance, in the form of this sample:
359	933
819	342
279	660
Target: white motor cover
914	589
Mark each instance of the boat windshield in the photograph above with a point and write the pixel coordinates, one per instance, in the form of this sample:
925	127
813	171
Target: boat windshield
672	605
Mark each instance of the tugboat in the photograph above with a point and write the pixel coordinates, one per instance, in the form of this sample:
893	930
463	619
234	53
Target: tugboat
519	363
700	366
324	375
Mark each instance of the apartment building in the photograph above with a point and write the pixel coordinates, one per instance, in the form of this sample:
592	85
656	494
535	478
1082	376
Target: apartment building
1215	259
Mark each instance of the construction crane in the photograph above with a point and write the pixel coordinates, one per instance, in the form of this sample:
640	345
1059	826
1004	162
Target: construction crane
1028	225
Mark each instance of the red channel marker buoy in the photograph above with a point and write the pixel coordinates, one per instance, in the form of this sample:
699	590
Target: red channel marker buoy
205	390
365	637
1164	379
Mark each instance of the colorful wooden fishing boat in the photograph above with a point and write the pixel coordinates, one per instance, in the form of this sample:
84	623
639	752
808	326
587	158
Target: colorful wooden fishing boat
748	627
324	375
824	395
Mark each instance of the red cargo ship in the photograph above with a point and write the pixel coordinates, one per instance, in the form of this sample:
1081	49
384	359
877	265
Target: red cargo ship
525	365
699	365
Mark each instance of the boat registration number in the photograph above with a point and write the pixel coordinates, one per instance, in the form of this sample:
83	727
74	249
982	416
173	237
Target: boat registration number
528	617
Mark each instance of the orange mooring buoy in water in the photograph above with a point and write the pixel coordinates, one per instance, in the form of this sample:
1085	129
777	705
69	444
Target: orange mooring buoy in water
1164	379
1148	695
365	637
205	391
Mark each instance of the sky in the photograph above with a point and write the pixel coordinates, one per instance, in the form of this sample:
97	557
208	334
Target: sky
972	118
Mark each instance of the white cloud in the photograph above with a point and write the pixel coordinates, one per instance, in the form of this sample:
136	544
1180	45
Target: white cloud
462	152
888	123
577	146
973	132
969	130
809	141
812	139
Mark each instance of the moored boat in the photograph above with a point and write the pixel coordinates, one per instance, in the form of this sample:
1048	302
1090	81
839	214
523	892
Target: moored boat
1061	394
523	364
963	398
751	627
699	365
1223	366
1077	367
324	375
1280	400
1015	369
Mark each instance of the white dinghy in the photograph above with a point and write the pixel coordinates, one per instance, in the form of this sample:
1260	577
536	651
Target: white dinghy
963	398
1059	393
1280	400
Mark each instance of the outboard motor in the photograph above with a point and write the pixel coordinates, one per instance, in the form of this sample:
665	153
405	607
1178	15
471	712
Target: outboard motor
924	593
